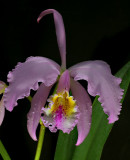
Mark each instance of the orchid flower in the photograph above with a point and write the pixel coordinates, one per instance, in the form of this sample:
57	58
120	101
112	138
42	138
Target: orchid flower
2	107
64	111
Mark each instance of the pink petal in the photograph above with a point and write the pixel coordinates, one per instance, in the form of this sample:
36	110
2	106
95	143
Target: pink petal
34	114
85	108
60	33
26	76
101	82
64	82
2	111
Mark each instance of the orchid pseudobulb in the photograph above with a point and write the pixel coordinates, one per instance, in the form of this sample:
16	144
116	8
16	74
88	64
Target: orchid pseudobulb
64	112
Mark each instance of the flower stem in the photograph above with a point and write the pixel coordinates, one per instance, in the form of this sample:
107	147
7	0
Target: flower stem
29	98
3	152
40	141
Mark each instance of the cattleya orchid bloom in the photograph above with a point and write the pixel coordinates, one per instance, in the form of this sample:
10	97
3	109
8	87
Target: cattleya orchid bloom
2	107
64	112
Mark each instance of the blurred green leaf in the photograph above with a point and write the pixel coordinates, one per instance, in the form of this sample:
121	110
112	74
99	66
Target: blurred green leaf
66	145
3	152
92	146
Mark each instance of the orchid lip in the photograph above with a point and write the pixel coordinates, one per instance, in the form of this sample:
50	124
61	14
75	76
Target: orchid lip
60	114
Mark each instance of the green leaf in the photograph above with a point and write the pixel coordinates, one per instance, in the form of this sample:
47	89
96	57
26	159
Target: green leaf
66	145
92	146
3	152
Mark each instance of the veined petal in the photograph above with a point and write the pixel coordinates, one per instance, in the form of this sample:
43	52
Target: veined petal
64	82
26	76
85	108
2	111
34	114
101	82
60	33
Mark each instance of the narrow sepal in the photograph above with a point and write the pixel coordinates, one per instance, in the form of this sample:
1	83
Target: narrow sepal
60	33
34	114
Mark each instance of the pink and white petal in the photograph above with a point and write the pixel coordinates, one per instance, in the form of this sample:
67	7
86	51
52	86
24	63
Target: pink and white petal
2	87
26	77
85	108
34	114
59	121
64	82
101	82
48	120
70	122
2	111
60	33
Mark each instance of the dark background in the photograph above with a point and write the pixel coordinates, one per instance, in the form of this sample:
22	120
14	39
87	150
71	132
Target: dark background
94	30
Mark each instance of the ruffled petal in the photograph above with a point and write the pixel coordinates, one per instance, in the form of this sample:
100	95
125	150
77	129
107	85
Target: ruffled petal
64	82
34	114
48	120
60	33
85	108
59	121
62	112
101	82
2	111
26	76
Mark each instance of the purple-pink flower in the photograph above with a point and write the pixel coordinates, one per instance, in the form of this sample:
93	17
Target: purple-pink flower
63	111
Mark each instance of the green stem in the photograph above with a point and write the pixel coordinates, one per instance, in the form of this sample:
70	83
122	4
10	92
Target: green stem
3	152
29	98
40	141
